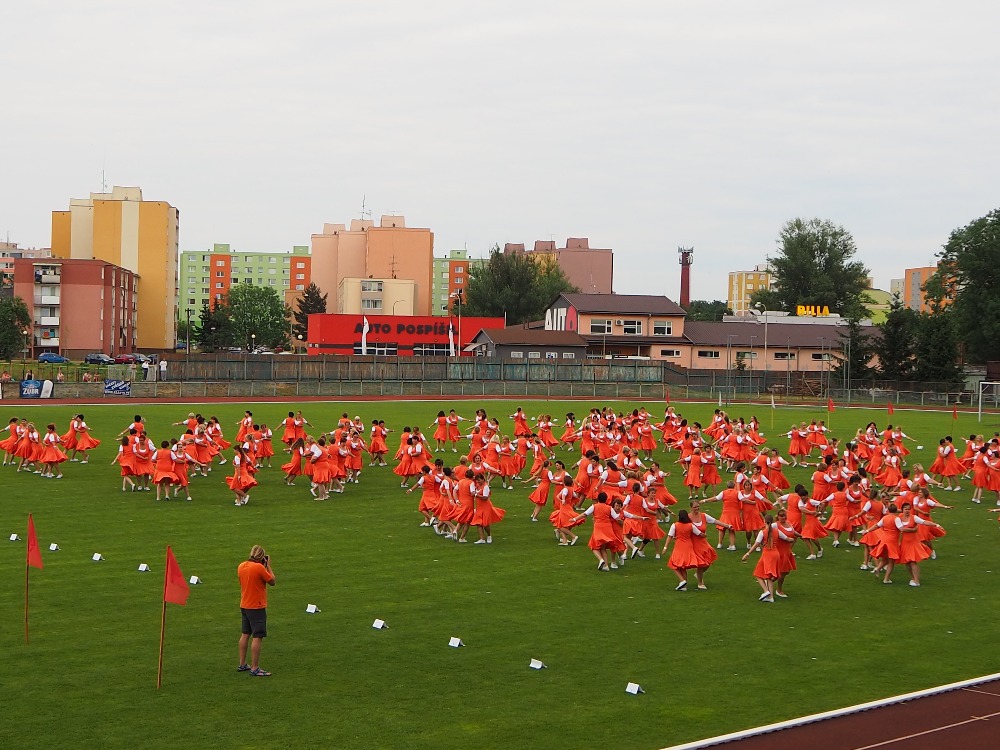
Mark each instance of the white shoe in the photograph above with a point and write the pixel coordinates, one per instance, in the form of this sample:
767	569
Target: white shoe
480	541
718	546
85	461
681	586
489	540
614	567
820	553
534	520
836	544
811	557
933	554
914	583
731	548
222	462
424	524
463	541
641	553
763	596
863	567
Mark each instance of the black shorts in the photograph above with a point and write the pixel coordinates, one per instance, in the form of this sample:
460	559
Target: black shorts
254	622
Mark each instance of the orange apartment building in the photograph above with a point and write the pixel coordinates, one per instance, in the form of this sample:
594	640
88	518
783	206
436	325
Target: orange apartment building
384	252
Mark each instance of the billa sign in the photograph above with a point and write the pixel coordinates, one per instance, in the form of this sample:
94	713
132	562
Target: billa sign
812	311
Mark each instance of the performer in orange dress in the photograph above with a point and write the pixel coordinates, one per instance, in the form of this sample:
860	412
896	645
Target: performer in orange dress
731	519
768	568
947	465
242	481
163	472
840	520
699	541
603	541
520	423
486	514
52	455
124	459
570	433
429	497
812	528
683	557
911	548
180	467
266	450
465	512
564	518
454	433
9	443
440	425
923	505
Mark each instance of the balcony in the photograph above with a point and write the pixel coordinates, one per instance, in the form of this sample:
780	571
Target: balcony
46	299
47	278
49	321
39	341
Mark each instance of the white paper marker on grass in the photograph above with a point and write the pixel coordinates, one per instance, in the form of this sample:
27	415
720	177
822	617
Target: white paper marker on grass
455	643
633	688
379	625
194	580
312	609
53	547
97	557
536	664
143	568
15	538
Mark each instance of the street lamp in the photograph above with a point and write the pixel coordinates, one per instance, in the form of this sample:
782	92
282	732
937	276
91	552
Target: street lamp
458	296
24	351
187	332
253	343
729	363
763	311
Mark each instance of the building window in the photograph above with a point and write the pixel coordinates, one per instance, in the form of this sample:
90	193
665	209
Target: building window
371	304
204	279
220	263
822	356
370	286
459	281
784	355
300	276
600	326
272	271
272	282
192	269
378	349
662	327
431	350
204	290
220	274
670	352
218	296
534	355
632	327
517	355
272	260
551	355
708	354
444	275
300	287
191	301
569	355
746	355
219	285
459	269
300	265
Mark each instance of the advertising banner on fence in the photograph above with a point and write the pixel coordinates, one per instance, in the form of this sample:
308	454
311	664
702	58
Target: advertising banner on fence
117	388
31	389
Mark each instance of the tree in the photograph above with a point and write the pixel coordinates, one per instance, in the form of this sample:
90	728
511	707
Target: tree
936	349
701	309
258	316
14	321
514	285
814	266
311	302
894	348
856	353
968	277
214	330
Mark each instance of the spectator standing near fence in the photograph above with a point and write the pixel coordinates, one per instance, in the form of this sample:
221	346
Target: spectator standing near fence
163	369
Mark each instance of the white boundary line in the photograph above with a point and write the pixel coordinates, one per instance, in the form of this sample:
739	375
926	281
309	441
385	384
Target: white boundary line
813	718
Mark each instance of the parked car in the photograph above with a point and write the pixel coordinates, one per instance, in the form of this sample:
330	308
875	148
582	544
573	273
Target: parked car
124	359
97	358
52	358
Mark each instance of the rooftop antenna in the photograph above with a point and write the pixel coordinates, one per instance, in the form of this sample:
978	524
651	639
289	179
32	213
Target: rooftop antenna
365	211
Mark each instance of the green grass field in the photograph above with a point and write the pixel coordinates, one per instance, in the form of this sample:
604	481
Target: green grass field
710	662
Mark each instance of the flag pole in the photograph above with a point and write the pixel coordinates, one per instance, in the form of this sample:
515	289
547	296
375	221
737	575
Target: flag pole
163	624
26	569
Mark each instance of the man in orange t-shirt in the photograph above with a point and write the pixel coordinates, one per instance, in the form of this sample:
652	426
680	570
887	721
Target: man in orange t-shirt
255	575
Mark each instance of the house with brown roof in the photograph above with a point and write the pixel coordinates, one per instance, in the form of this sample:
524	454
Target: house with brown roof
519	342
620	325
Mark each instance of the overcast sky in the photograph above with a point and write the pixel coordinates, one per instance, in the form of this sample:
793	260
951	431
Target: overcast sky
641	125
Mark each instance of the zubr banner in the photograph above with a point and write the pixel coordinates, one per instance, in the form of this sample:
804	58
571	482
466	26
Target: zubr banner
31	389
117	388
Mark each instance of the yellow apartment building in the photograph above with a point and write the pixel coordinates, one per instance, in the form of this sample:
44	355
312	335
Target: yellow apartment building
140	236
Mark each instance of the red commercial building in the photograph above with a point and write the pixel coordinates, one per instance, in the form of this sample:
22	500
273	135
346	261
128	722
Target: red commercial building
392	335
77	306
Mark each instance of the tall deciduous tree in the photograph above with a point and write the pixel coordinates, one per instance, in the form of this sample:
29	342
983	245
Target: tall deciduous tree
311	302
815	265
894	347
258	316
968	277
702	309
514	285
14	321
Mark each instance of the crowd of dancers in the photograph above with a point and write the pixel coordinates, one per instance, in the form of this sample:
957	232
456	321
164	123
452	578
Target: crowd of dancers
601	469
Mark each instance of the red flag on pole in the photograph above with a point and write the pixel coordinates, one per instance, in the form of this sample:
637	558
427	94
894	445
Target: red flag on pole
954	412
829	405
175	586
889	408
666	395
34	553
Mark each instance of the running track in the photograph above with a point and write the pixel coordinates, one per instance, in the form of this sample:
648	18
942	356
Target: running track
961	715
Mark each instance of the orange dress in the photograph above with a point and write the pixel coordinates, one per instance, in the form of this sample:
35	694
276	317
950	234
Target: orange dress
603	535
769	564
887	544
164	467
683	555
441	430
241	480
812	528
911	546
486	514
